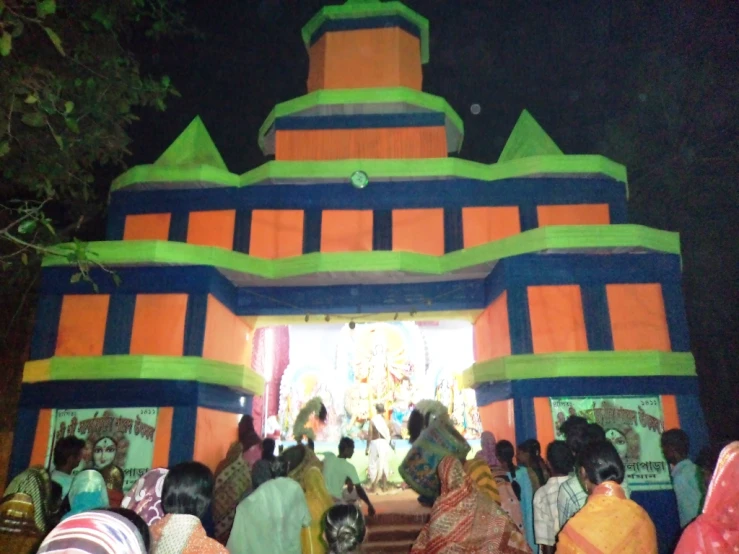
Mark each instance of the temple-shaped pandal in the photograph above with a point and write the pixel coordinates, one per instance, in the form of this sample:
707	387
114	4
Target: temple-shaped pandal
363	211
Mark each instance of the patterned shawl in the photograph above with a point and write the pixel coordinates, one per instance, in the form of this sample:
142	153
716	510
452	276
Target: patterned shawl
145	498
232	484
95	532
592	529
465	520
88	492
716	530
36	483
18	531
480	474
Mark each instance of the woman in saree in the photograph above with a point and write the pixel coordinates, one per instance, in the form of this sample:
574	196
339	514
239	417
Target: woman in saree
24	512
233	477
716	529
94	532
528	455
609	523
482	477
145	498
464	519
88	492
521	483
508	499
319	500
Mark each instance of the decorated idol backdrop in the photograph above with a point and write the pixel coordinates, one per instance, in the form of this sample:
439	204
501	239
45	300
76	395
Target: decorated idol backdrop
395	364
633	424
122	436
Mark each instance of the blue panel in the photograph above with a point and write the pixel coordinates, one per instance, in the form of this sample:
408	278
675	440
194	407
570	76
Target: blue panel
197	309
692	422
529	216
312	231
597	318
662	509
362	121
677	321
116	224
435	193
382	230
592	386
23	438
519	321
182	444
242	231
48	312
119	325
131	393
618	211
495	283
525	418
453	239
356	24
179	221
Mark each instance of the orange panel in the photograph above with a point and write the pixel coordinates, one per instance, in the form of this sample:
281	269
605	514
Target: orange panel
419	231
574	214
544	423
159	324
341	144
276	233
41	439
498	418
162	438
669	412
225	334
147	227
365	58
638	320
215	432
82	325
486	224
346	231
212	228
557	319
492	334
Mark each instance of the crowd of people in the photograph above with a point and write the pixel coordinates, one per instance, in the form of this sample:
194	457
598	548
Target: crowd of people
259	500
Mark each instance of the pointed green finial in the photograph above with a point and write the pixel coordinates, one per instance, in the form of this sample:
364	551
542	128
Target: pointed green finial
528	139
192	148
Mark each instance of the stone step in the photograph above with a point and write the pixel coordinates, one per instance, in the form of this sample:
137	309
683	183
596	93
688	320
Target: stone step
387	547
385	533
390	518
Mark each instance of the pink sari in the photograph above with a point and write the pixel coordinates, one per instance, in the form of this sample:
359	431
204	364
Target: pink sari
716	530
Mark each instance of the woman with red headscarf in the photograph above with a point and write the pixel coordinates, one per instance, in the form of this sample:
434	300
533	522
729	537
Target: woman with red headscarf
716	530
465	519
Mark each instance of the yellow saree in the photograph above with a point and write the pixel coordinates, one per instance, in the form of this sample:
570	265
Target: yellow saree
481	475
319	500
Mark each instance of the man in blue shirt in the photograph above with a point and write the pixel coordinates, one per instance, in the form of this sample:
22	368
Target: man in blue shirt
685	474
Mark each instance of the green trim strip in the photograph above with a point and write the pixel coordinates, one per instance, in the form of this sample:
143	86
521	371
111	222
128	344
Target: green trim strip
392	95
180	368
340	170
359	10
581	364
565	237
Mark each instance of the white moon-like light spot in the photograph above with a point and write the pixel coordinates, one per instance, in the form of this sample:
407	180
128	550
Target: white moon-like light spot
475	109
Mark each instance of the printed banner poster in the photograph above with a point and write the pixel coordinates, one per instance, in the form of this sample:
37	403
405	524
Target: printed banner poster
633	424
120	436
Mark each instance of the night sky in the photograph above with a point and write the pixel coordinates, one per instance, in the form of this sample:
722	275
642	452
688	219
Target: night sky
654	88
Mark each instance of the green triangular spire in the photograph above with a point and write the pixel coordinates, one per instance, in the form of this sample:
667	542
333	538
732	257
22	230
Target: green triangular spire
528	139
192	148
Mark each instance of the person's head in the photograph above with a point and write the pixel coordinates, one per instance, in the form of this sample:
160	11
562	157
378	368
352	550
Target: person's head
416	423
597	463
528	452
345	528
104	452
322	413
574	429
505	452
618	440
346	448
137	522
247	434
560	458
113	476
675	445
83	533
68	453
268	449
279	467
380	408
188	489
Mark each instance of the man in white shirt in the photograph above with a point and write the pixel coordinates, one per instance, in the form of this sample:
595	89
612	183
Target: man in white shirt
67	456
685	474
339	472
546	516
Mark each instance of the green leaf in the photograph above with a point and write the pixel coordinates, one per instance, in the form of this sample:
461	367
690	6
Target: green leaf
45	7
55	40
95	287
75	278
34	119
31	99
4	148
6	265
68	107
6	44
27	226
72	125
116	279
59	141
166	81
24	258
